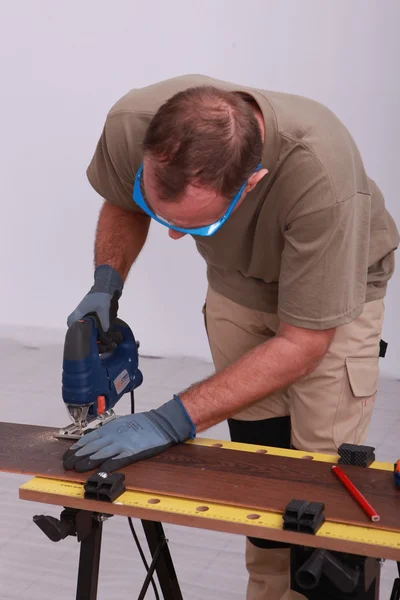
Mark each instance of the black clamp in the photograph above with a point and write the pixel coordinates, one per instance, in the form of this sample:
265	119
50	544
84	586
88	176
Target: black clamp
351	454
74	522
58	529
104	487
303	517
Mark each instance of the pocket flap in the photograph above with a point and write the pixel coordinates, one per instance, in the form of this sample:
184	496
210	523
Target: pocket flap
363	375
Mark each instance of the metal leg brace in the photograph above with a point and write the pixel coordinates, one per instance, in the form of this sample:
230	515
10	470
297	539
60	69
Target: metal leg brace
161	563
89	531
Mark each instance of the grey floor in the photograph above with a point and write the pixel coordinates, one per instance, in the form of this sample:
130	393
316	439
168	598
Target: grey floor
209	565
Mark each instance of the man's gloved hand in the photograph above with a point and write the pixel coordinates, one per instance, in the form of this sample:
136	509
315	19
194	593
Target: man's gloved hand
101	299
131	438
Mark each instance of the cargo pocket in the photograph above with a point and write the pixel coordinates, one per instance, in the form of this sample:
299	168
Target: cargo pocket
363	376
353	416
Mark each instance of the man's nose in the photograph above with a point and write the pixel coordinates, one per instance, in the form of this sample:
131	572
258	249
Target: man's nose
175	235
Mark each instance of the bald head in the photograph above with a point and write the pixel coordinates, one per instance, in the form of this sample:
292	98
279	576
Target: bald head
203	137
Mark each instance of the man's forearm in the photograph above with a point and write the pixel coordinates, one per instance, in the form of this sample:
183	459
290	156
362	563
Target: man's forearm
120	237
262	371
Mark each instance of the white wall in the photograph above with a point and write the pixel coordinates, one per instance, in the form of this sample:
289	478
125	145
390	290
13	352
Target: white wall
63	64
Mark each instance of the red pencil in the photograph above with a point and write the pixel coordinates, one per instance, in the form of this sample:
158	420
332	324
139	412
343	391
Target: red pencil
357	495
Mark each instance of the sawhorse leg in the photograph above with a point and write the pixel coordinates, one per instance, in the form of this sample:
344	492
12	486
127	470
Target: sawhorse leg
396	586
89	558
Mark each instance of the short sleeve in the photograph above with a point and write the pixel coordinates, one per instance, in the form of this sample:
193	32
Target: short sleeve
324	266
111	171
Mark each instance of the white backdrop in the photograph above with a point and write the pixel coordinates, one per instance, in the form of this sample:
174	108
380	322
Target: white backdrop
63	64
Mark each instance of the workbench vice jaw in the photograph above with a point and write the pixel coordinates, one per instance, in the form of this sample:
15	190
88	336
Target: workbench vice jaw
354	454
105	487
303	516
73	522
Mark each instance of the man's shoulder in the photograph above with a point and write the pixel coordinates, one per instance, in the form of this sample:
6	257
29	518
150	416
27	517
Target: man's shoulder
323	137
306	120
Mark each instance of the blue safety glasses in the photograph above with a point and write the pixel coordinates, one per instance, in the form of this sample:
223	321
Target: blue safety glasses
206	230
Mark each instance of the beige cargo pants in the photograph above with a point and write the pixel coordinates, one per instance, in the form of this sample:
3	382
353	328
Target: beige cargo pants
330	406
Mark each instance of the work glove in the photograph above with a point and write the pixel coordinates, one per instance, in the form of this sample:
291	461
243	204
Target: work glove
102	300
131	438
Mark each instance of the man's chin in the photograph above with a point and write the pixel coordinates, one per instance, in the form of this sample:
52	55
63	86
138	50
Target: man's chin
175	235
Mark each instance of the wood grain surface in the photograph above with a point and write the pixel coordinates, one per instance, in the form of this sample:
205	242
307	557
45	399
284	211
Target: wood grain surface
251	480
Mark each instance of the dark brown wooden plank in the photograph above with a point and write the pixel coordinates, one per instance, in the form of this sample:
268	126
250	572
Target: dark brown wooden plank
257	481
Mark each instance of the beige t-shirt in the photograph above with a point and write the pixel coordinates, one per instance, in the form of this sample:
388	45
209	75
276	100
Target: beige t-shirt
313	241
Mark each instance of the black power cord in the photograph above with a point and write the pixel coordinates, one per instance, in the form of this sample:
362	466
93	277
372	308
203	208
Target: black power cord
132	402
142	556
135	537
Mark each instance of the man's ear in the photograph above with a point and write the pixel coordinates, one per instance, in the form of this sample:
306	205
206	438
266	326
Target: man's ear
254	179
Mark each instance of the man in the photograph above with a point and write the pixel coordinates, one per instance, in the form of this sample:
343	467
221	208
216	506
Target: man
299	250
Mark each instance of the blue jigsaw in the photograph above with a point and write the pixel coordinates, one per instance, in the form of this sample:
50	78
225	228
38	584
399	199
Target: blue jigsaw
93	382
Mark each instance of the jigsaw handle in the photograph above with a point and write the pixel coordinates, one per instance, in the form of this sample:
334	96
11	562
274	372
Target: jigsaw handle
81	333
78	339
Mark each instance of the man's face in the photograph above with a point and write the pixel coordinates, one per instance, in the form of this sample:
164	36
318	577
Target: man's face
196	208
